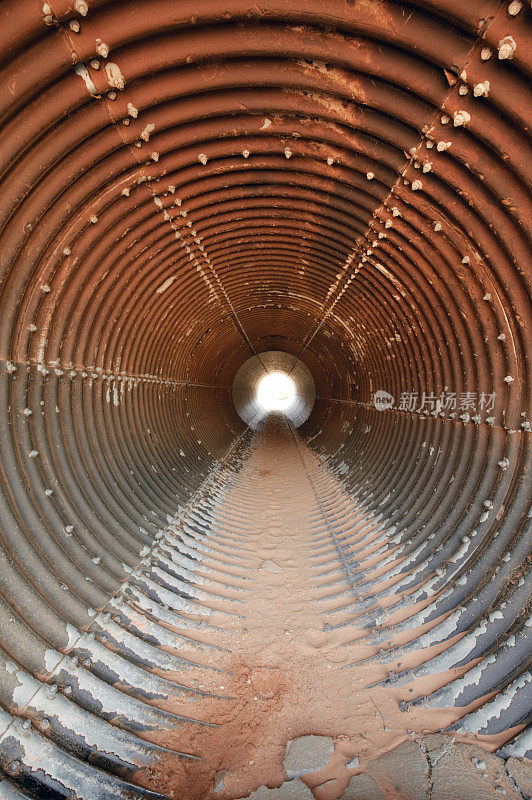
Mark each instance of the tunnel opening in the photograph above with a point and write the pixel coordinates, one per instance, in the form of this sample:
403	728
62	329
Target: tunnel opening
202	598
299	388
276	392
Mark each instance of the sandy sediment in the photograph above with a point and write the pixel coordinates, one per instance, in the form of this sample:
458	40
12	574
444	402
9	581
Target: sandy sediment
278	663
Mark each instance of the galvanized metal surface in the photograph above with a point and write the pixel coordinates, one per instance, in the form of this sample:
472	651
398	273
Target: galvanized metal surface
187	185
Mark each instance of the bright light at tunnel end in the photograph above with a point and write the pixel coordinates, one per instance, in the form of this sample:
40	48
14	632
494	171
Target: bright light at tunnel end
276	392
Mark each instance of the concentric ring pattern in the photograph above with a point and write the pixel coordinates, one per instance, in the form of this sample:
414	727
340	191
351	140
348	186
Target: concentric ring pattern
186	185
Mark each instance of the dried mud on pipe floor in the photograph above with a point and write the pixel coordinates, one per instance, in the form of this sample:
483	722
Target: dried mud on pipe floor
279	659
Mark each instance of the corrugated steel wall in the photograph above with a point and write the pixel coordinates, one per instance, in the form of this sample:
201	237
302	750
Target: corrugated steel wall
185	185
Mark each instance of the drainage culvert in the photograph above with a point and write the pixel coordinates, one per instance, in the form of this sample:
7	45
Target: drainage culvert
198	598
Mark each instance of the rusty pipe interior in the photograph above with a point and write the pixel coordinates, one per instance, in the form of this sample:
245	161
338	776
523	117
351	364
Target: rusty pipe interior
195	194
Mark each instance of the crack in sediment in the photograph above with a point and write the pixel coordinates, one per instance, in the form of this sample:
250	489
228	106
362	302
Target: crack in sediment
428	784
513	782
